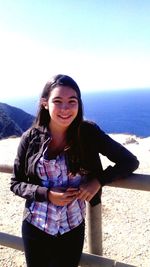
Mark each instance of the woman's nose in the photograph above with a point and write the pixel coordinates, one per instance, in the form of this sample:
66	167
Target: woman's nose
65	106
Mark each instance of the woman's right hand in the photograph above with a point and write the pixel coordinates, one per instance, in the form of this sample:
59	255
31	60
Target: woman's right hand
59	197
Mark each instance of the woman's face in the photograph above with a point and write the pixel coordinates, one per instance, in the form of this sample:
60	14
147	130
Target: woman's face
63	106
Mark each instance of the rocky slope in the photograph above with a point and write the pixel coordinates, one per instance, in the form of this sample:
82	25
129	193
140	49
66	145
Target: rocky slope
13	121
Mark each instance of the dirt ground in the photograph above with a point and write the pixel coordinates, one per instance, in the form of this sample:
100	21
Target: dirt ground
125	212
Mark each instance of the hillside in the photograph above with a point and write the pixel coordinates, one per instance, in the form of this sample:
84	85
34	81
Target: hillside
13	121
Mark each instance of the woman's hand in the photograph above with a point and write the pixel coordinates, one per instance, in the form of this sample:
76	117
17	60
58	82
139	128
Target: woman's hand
59	197
89	189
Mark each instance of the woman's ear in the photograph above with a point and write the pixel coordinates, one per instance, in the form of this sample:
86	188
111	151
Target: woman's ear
44	103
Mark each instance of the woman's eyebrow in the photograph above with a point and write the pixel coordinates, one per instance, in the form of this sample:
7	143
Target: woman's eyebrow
70	97
73	97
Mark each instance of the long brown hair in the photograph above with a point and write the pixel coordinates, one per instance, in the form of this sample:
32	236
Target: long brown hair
43	117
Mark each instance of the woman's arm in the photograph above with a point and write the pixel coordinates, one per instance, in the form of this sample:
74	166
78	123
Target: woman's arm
125	161
101	143
20	183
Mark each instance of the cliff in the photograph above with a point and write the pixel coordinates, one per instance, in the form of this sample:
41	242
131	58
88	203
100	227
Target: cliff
13	121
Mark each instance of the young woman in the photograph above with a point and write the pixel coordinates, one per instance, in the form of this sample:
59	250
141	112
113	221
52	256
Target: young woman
57	169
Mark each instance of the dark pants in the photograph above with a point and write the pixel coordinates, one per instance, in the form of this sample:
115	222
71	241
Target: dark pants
44	250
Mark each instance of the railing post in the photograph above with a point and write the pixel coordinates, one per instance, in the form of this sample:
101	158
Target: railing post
94	229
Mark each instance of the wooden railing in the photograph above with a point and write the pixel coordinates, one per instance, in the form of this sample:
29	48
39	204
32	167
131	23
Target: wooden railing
94	224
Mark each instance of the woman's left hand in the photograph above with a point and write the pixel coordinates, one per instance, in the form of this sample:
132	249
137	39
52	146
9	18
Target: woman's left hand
88	190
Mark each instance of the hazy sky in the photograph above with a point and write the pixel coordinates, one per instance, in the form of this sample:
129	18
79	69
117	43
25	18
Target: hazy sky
102	44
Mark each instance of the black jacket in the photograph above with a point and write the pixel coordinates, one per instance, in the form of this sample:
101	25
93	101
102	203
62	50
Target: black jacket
26	183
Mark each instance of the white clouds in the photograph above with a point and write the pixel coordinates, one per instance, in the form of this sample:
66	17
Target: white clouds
22	64
26	65
115	72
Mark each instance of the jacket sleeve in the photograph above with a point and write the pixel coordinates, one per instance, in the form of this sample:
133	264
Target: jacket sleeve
125	161
20	183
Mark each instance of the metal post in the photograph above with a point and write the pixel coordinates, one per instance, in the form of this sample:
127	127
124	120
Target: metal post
11	241
6	168
87	260
94	229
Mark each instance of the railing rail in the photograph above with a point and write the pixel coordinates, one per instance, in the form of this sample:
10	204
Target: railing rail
6	168
135	181
94	222
87	260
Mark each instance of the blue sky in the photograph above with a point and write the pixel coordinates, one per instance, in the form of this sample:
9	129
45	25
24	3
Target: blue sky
102	44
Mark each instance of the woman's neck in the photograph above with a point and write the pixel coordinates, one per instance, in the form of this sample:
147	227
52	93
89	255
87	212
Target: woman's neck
58	135
57	145
58	141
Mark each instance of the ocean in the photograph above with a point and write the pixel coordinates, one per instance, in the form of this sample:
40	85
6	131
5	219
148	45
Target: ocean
120	111
126	111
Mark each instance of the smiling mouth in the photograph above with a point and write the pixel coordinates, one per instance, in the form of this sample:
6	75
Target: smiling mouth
65	117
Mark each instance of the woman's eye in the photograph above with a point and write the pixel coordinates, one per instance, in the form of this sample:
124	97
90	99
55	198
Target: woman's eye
57	101
73	101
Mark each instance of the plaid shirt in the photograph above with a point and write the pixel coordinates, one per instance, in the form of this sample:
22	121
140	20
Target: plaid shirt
46	216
